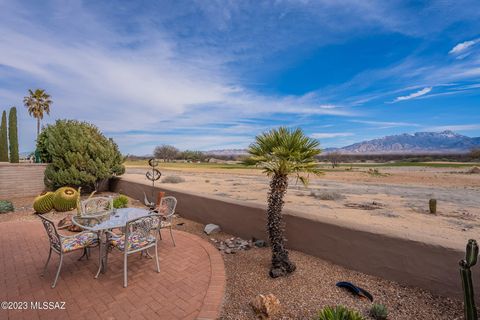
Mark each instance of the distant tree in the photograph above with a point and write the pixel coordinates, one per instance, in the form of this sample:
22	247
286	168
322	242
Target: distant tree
78	155
37	102
3	138
13	135
334	158
474	154
192	155
282	152
166	152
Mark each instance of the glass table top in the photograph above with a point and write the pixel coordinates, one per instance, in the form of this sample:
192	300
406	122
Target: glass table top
115	219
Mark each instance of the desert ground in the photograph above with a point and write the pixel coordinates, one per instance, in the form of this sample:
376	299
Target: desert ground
384	199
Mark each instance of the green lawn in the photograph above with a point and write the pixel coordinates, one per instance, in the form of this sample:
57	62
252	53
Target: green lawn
323	166
180	165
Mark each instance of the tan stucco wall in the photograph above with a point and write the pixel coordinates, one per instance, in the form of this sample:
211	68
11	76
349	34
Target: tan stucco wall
21	179
423	265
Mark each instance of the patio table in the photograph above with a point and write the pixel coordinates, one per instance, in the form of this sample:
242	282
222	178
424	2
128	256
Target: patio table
102	223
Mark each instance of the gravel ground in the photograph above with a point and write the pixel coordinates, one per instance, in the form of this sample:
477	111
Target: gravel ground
312	286
307	290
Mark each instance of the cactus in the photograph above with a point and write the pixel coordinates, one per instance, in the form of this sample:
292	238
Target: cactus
6	206
65	199
433	205
338	313
378	312
43	203
467	284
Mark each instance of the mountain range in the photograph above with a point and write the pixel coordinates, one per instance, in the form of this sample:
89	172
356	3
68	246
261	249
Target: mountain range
419	142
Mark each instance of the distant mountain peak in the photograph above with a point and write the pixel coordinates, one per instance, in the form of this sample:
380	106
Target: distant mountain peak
445	141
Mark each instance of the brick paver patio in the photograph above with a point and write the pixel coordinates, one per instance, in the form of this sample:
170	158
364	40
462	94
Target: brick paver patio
190	284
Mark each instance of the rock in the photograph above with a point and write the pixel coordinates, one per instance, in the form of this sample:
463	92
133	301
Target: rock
265	306
228	250
260	243
474	170
66	223
211	228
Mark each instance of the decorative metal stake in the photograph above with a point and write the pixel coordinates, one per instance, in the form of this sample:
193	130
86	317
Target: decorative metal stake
153	176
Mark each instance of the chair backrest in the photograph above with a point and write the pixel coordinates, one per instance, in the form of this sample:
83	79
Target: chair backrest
97	205
167	206
52	233
142	227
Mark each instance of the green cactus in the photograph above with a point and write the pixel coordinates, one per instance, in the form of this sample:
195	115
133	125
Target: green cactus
378	312
65	199
338	313
43	203
467	284
432	204
6	206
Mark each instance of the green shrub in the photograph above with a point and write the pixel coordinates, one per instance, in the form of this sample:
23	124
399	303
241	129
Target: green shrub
120	202
3	138
13	135
338	313
6	206
78	155
379	312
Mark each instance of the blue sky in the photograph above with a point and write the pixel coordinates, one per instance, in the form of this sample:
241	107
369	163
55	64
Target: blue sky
213	74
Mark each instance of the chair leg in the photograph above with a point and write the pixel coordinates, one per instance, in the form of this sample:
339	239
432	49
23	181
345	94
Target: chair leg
173	239
156	258
58	271
85	254
46	263
125	270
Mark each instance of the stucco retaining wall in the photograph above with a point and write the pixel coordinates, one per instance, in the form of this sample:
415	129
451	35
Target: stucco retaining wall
423	265
21	179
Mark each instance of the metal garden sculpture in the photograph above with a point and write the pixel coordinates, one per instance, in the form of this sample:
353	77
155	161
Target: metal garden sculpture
153	175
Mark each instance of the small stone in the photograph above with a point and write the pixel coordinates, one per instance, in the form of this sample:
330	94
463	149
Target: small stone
260	243
228	250
211	228
265	307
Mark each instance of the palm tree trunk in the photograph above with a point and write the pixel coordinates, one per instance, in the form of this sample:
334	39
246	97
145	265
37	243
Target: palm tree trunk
38	127
281	264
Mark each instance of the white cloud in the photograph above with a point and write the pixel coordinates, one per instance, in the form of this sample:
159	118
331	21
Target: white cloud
386	124
329	135
455	127
463	46
414	95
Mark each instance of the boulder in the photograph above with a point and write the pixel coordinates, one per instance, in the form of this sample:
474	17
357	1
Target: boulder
265	306
211	228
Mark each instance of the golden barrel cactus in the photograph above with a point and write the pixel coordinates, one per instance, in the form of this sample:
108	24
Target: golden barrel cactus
43	203
65	199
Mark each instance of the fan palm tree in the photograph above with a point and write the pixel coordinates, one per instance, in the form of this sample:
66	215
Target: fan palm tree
282	152
37	102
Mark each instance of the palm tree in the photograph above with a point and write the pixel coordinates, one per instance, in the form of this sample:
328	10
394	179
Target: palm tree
37	102
280	153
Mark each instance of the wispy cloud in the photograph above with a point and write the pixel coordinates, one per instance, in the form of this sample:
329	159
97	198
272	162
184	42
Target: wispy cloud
386	124
329	135
414	95
463	46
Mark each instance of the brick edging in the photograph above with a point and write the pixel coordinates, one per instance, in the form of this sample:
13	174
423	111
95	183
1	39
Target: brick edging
213	301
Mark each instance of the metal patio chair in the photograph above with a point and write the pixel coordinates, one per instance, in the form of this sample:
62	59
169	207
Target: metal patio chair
140	235
167	209
62	244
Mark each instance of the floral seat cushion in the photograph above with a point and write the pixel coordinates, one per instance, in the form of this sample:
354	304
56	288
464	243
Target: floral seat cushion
79	241
136	241
165	224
